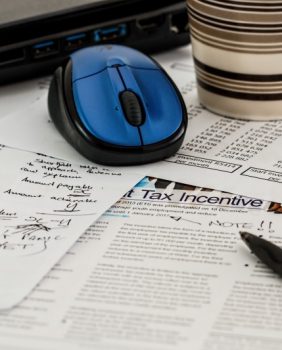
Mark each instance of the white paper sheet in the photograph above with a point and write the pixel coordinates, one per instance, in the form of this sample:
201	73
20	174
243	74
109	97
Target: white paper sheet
17	96
46	204
232	155
152	275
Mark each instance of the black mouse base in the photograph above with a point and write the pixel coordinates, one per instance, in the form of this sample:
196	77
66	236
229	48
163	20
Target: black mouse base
64	115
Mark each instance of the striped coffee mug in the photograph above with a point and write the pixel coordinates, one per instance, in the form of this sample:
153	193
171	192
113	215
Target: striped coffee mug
237	49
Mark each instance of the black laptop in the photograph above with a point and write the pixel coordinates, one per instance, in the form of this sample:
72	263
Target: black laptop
36	35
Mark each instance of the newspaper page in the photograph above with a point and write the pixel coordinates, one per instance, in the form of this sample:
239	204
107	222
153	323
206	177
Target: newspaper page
159	270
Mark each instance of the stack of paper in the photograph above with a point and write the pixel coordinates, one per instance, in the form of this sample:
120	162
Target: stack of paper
163	267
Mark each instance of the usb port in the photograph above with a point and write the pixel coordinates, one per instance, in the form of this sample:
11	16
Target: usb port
110	33
12	56
150	24
75	41
44	49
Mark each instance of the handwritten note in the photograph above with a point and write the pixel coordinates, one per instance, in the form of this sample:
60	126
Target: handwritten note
46	204
23	235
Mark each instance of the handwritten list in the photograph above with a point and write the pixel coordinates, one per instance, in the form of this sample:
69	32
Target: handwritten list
46	204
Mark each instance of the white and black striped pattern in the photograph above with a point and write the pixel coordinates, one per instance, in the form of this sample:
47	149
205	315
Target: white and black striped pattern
237	46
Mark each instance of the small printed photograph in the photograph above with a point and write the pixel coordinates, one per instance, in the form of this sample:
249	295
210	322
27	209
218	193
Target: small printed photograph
275	208
164	184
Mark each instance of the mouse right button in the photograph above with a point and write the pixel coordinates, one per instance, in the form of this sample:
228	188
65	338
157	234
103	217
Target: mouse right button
165	113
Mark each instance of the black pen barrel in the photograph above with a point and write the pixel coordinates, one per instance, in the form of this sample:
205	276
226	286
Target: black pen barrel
267	252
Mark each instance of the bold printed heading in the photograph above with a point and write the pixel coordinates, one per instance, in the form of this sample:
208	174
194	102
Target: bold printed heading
201	198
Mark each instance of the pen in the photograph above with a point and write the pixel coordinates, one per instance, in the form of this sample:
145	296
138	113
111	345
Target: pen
267	252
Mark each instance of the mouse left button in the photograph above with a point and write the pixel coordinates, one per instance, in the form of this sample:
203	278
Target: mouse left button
100	112
86	62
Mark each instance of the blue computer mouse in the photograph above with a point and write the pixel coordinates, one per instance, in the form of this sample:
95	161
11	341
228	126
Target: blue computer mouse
117	106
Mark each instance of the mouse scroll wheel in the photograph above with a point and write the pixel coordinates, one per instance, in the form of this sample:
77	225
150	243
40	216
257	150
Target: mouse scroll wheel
132	108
